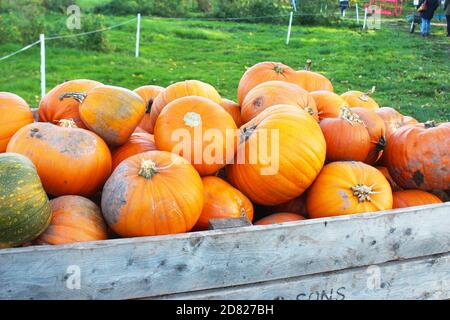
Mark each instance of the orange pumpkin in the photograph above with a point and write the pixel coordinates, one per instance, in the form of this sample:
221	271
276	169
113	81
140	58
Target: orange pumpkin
148	94
412	198
347	138
68	160
271	93
348	187
313	81
152	193
263	72
179	90
138	143
377	132
221	200
280	153
393	120
358	99
409	120
387	175
418	156
74	219
52	108
233	109
297	206
111	112
14	114
279	218
199	130
328	103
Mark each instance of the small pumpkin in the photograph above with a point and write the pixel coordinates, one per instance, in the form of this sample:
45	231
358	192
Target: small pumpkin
24	206
387	175
418	156
271	93
281	217
68	160
179	90
221	200
138	143
148	94
199	130
14	114
347	138
153	193
297	206
411	198
111	112
328	103
280	153
52	108
233	109
74	219
313	81
358	99
348	187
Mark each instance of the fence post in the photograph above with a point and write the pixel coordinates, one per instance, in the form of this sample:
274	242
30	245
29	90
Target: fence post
357	13
42	40
365	19
289	28
138	32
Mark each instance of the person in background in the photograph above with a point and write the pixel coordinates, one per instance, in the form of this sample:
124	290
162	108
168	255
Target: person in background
447	15
343	4
427	15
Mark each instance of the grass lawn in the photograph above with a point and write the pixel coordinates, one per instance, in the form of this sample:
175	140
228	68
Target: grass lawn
410	73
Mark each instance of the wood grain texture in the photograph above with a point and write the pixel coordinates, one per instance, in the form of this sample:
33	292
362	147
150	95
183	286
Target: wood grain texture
217	224
155	266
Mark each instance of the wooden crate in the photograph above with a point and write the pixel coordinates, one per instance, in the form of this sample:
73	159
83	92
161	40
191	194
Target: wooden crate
399	254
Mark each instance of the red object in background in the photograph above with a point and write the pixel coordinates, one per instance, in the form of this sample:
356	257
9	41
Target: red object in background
388	7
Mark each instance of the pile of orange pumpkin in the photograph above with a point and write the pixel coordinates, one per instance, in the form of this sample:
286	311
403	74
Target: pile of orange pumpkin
107	158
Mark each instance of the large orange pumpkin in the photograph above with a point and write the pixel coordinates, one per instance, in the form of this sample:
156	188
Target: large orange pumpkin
14	114
178	90
148	94
68	160
74	219
271	93
328	103
377	132
418	156
387	175
138	143
358	99
393	119
347	138
152	193
199	130
263	72
111	112
52	108
221	200
233	109
313	81
348	187
279	155
411	198
281	217
409	120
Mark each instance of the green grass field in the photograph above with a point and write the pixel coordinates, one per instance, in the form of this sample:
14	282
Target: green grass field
410	73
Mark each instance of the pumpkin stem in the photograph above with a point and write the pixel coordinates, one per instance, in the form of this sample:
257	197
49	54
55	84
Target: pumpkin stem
363	192
79	96
365	96
149	105
430	124
67	123
148	169
381	144
243	213
279	69
310	111
349	115
308	66
246	133
192	119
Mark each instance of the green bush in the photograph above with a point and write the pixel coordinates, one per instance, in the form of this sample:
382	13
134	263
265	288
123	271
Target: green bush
57	5
162	8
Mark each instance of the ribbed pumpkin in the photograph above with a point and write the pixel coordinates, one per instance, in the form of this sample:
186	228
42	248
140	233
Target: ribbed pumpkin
297	206
409	120
14	114
281	217
179	90
111	112
233	109
387	175
347	138
148	94
263	72
313	81
411	198
24	206
271	93
52	108
74	219
348	187
221	200
152	193
377	132
199	130
138	143
358	99
328	103
279	155
68	160
418	156
392	119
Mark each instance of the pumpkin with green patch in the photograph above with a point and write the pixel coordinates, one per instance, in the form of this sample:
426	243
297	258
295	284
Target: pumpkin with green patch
24	207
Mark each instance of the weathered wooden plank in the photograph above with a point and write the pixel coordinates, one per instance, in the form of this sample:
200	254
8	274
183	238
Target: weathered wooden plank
217	224
419	278
154	266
